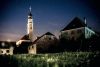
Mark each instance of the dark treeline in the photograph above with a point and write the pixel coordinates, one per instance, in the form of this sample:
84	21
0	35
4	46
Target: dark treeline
8	61
81	44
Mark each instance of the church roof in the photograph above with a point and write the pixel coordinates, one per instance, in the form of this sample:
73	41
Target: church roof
25	37
75	23
48	33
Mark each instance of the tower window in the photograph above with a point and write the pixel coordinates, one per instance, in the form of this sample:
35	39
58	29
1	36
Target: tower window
30	27
7	51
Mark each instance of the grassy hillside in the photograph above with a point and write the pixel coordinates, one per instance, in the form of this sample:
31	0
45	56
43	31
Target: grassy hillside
65	59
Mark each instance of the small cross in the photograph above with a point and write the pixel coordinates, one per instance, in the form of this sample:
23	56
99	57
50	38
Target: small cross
30	8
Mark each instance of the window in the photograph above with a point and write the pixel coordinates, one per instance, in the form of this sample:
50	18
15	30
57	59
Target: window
72	32
79	31
7	51
1	51
32	46
49	38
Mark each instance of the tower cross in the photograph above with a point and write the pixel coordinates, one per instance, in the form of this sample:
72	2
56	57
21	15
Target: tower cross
30	8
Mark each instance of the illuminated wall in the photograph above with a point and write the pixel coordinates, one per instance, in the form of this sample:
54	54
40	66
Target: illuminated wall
77	33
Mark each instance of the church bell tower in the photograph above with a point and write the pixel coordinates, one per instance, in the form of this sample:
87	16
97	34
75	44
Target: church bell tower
30	25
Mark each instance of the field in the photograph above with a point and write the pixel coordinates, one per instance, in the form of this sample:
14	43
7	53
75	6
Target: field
65	59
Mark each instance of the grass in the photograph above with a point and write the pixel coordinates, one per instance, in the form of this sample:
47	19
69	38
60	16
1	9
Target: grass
65	59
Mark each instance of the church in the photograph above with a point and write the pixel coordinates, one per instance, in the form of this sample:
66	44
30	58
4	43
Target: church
23	44
27	40
48	42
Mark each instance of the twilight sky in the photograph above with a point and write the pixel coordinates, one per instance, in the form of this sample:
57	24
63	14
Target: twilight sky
48	15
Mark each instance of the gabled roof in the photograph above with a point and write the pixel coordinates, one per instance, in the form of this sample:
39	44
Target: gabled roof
48	33
25	37
75	23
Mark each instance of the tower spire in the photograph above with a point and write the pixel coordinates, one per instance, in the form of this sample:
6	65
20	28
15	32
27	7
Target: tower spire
30	9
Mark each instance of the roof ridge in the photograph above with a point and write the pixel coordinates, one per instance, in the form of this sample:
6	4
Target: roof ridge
75	23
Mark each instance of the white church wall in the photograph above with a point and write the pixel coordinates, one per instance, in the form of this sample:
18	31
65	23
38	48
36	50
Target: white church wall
32	49
8	51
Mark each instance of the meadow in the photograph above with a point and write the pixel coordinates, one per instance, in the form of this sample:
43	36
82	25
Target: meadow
64	59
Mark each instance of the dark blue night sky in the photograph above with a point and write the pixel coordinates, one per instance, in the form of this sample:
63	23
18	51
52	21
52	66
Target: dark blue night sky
48	15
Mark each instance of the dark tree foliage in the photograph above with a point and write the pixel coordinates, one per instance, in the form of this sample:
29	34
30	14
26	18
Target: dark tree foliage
81	44
8	61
